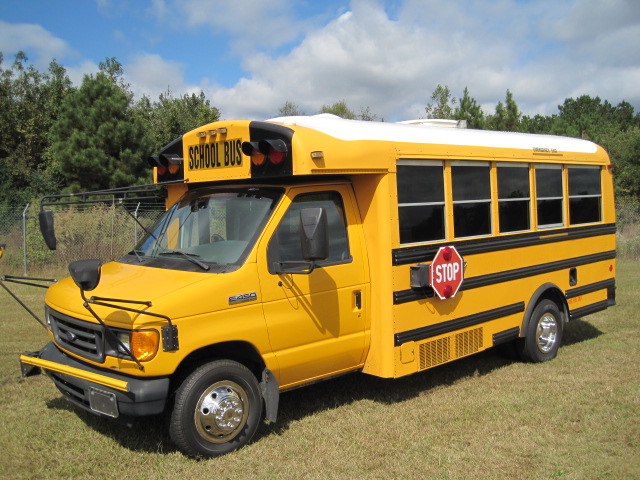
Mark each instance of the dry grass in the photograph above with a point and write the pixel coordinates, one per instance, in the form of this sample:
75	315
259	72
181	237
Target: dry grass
483	417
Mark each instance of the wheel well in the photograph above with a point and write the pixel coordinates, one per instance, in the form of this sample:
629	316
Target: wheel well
241	352
548	291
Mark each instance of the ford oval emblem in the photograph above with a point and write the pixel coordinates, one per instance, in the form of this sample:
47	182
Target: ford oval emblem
71	337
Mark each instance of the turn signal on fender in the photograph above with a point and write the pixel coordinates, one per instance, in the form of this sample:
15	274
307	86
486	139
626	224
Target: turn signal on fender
144	344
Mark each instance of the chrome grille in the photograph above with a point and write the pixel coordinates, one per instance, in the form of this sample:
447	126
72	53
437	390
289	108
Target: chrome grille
79	337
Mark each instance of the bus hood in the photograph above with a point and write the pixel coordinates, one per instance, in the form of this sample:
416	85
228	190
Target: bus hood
122	281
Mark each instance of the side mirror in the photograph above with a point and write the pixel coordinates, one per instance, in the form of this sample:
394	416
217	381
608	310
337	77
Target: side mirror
46	228
314	234
86	273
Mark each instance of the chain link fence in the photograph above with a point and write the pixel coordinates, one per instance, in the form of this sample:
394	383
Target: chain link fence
107	232
97	231
628	222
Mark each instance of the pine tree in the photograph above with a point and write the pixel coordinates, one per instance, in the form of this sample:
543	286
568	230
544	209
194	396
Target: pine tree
469	110
98	140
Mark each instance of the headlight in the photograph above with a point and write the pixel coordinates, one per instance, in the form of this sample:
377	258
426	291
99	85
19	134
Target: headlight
143	344
125	339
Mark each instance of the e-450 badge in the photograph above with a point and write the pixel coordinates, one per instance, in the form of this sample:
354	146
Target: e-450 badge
243	297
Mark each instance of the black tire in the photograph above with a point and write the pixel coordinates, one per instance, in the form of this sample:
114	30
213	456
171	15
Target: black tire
543	335
223	386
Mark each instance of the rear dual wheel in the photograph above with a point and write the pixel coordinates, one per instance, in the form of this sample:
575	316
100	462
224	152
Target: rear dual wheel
217	409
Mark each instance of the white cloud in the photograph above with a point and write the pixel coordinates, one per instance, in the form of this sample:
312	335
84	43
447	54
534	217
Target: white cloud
159	9
152	75
543	51
251	24
538	50
32	39
76	73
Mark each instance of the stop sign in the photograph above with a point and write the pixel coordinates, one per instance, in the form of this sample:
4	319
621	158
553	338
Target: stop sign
446	272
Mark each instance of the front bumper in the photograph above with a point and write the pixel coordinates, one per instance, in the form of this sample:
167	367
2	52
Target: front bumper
80	383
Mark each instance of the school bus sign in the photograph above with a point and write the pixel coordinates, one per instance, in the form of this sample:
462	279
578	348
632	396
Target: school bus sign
447	272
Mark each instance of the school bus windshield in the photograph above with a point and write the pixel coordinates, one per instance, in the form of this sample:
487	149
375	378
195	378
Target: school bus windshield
207	230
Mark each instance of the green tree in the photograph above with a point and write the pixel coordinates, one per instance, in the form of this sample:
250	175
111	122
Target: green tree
170	117
367	115
98	139
289	109
340	109
506	117
469	110
30	102
624	149
585	117
513	114
538	123
444	106
113	69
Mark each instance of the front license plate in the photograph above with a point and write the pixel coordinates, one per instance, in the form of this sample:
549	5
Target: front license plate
103	402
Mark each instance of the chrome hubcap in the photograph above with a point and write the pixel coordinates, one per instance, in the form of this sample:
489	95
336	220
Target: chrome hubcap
221	412
547	333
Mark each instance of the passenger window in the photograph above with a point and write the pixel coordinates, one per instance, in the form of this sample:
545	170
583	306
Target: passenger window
549	196
585	195
471	199
513	197
285	244
420	200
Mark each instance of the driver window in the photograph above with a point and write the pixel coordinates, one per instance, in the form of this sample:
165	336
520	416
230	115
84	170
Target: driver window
285	245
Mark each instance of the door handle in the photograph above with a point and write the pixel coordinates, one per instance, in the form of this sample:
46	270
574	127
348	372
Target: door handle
358	299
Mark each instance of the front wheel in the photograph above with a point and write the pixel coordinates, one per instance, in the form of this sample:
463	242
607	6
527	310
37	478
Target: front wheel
544	334
217	409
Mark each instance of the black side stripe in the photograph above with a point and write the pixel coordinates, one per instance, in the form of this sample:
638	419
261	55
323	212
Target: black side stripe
506	336
593	287
589	309
425	253
423	333
410	295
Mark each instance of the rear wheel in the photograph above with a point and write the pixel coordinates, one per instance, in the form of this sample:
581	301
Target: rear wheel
544	334
217	409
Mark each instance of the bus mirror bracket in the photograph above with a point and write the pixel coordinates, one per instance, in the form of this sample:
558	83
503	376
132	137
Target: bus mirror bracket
314	240
314	234
47	229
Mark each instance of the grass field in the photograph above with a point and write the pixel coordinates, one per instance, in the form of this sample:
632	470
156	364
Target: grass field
483	417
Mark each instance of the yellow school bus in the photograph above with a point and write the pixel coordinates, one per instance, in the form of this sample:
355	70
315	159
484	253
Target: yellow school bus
301	248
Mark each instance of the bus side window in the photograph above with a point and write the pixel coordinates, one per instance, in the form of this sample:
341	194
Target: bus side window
585	195
549	195
514	197
471	198
285	244
420	200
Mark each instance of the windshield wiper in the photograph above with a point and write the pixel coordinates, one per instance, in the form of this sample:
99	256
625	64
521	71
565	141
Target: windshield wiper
188	256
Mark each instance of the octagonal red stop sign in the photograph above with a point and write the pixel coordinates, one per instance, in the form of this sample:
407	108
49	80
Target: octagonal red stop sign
447	272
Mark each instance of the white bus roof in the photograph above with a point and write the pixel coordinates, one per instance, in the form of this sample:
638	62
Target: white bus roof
351	130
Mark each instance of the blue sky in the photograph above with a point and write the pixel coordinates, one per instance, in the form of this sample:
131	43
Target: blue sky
250	56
